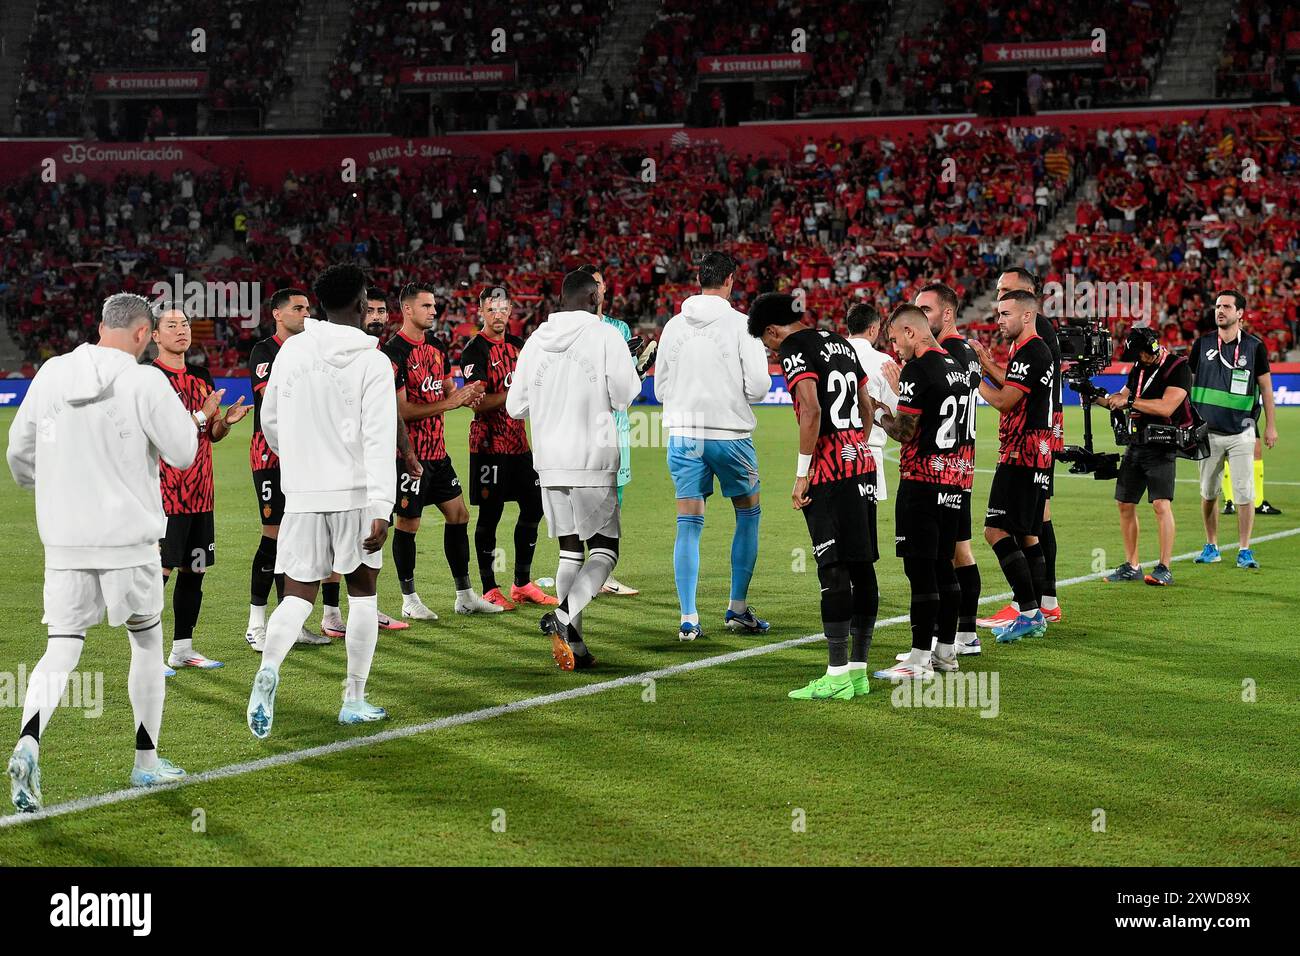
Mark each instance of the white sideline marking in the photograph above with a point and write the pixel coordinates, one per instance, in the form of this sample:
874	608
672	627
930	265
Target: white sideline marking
487	713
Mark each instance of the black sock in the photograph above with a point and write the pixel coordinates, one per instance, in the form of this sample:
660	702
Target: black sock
330	594
866	606
949	601
455	543
1037	568
968	578
185	605
279	587
1016	568
525	546
404	559
263	575
1047	538
924	610
837	643
485	541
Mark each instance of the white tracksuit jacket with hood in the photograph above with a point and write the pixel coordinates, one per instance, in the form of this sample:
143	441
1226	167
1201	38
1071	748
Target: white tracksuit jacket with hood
708	370
88	437
572	374
330	412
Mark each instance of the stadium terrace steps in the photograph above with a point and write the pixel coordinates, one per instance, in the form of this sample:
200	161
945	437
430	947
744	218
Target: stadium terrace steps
1187	72
315	44
1062	221
906	17
616	56
16	18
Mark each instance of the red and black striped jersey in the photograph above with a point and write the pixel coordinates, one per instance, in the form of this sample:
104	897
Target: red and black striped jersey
189	491
492	361
421	367
942	450
260	361
965	357
826	359
1025	434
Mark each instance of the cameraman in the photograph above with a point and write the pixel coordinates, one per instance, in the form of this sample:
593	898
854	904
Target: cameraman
1156	394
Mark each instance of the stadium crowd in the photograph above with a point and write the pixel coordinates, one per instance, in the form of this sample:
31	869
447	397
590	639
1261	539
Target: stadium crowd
937	69
869	221
550	45
245	42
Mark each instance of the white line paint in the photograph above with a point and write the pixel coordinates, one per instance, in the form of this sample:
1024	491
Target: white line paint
486	713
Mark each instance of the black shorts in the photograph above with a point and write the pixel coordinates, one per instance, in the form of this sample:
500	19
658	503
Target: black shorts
963	516
437	484
1016	500
496	477
926	520
1051	480
190	543
1146	469
270	499
842	521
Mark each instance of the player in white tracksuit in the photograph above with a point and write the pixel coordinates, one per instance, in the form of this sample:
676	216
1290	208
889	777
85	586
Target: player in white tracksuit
87	438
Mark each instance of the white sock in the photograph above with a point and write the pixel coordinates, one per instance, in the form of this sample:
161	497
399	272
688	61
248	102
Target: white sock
146	686
362	637
945	651
857	665
918	657
183	649
283	628
407	598
465	595
570	565
1015	606
836	671
1049	602
332	612
256	616
966	637
738	607
690	619
48	679
587	583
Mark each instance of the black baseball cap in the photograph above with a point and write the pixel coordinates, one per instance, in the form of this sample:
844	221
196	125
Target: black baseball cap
1141	340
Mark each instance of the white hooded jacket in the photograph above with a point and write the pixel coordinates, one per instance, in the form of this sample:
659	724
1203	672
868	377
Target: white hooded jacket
330	412
708	370
572	374
88	437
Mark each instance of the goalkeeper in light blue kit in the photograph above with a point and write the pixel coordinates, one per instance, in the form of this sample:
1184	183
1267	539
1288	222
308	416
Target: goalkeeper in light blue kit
621	421
708	371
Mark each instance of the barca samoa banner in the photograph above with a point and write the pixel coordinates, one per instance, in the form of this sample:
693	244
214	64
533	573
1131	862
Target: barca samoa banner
749	66
267	161
150	83
466	75
1049	53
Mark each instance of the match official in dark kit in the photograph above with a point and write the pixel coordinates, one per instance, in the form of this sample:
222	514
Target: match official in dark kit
1156	394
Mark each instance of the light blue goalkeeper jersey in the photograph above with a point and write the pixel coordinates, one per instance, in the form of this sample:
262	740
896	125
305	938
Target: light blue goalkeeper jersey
620	418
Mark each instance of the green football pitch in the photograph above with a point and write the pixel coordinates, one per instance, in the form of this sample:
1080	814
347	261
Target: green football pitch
1150	727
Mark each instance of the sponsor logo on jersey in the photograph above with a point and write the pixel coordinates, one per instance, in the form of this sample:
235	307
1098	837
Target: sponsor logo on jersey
468	370
947	500
262	369
906	389
1019	368
1040	478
